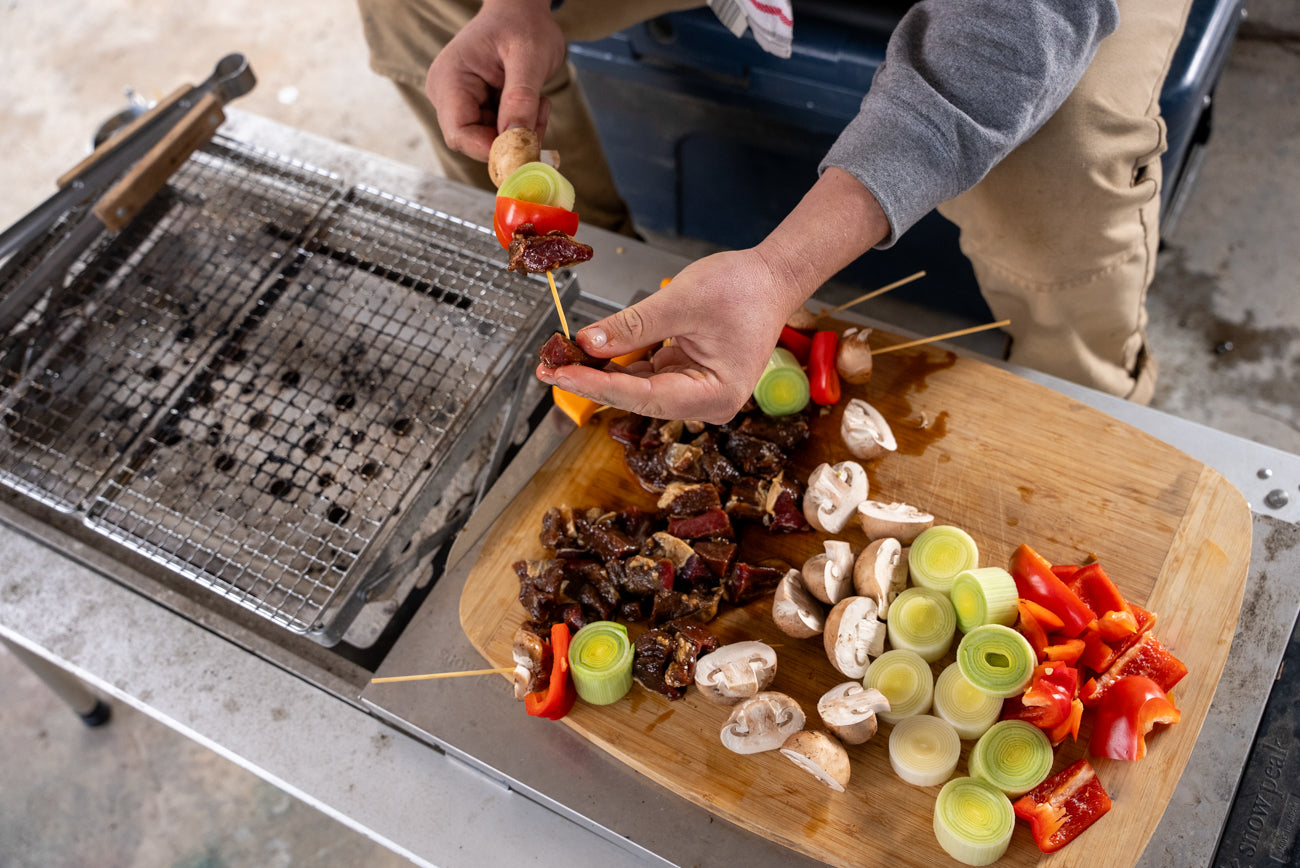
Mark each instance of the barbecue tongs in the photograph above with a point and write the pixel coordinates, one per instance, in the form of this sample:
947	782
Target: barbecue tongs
121	176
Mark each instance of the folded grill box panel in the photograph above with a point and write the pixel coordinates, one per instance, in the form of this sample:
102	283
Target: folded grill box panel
712	138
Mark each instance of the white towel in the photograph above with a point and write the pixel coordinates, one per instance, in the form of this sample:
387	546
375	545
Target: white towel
771	20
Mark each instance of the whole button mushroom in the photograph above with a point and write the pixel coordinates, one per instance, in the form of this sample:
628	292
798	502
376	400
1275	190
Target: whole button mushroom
854	635
761	723
736	671
849	711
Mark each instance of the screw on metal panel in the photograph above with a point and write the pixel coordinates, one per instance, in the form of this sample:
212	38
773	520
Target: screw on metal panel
1277	498
1264	473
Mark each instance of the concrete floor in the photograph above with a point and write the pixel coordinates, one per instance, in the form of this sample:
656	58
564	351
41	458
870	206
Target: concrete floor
1225	312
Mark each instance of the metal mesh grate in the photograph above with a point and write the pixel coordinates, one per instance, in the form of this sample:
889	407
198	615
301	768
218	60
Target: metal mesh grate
258	399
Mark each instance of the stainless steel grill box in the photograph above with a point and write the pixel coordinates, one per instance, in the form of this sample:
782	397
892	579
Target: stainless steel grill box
265	381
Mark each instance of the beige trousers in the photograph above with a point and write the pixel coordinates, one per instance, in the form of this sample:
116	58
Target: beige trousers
1062	234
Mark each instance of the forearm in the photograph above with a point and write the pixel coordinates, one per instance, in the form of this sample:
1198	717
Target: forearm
836	222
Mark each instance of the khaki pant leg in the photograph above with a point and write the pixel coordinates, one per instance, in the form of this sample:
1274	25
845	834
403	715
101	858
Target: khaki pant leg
1063	233
405	35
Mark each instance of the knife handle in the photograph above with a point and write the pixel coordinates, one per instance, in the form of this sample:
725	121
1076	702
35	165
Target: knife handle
125	198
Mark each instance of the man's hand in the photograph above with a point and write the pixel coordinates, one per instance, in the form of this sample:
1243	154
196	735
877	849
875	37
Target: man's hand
490	76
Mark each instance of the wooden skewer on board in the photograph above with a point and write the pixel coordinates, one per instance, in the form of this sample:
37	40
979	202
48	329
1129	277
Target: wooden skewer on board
870	295
555	294
943	337
504	670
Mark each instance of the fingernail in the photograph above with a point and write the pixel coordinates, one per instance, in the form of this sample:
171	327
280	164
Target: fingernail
596	336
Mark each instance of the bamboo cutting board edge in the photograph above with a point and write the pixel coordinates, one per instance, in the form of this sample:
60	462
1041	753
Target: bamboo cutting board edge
1201	578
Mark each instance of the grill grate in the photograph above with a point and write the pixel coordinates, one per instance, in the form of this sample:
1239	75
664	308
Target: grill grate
263	381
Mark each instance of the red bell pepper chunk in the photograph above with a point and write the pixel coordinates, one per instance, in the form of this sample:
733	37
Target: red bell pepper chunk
1147	657
798	343
1035	581
1091	584
1062	806
1132	706
1044	616
1065	571
1047	700
1069	726
1067	652
1115	626
1030	627
509	214
823	379
557	699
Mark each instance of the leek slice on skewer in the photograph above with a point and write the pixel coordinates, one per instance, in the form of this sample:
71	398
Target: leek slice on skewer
600	662
540	184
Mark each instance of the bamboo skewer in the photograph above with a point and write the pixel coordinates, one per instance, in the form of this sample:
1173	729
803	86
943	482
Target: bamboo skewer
870	295
555	294
956	334
504	670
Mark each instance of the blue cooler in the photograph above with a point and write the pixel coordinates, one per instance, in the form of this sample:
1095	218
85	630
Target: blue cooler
710	137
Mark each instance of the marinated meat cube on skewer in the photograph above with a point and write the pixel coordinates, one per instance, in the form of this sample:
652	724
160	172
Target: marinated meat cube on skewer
535	253
559	351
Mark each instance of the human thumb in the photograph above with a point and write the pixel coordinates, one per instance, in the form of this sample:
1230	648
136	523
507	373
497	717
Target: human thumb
632	328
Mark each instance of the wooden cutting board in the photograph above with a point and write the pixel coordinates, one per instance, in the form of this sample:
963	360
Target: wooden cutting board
1009	461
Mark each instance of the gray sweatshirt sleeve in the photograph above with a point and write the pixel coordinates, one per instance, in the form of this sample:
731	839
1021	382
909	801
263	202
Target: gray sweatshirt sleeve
963	83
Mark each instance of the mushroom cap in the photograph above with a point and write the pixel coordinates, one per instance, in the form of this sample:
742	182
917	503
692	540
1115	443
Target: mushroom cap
832	493
735	671
849	711
898	520
829	576
819	754
761	723
510	150
853	359
853	635
796	612
880	572
864	431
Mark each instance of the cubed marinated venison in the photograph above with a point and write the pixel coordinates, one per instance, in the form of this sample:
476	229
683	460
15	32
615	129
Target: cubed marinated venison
534	253
559	351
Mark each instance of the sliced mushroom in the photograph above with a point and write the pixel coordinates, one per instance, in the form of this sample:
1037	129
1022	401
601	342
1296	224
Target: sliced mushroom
849	711
796	612
854	635
532	659
762	722
829	576
819	754
664	546
881	573
853	359
736	671
865	432
833	492
898	520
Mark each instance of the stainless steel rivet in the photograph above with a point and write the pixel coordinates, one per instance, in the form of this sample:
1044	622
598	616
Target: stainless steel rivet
1277	498
1264	473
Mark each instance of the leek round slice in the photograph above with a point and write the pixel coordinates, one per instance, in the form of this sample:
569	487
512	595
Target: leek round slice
997	659
971	711
540	184
906	681
922	620
924	749
1014	756
973	821
939	554
783	387
984	595
600	661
